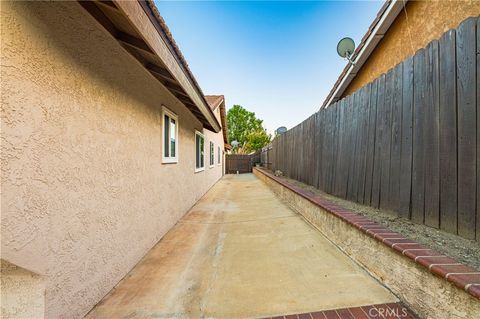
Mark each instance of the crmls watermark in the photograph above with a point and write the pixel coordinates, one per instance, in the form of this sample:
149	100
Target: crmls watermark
388	312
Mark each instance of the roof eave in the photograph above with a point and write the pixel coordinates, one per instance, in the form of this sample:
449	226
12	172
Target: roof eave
390	12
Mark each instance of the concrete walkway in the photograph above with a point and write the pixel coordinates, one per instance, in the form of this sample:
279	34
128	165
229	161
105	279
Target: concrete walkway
241	253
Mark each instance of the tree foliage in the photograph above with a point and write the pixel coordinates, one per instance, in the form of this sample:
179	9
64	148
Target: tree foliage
245	128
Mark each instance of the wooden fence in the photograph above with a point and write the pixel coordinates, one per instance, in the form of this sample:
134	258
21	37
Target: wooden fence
408	142
241	163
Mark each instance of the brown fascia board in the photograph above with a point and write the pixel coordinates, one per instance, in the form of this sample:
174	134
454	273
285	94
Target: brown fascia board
219	101
372	44
145	18
223	117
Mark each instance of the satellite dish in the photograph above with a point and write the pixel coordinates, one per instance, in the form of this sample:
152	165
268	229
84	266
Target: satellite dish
281	130
345	48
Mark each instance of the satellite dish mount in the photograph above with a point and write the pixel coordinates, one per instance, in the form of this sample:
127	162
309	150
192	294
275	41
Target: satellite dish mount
345	49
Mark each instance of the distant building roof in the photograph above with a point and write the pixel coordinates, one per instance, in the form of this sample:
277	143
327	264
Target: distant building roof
215	101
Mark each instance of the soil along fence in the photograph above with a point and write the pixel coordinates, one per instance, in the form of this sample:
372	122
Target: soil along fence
407	142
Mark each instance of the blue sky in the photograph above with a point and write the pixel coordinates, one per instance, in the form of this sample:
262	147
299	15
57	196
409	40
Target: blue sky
277	59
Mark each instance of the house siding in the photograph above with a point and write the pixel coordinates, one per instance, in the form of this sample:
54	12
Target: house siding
84	192
422	22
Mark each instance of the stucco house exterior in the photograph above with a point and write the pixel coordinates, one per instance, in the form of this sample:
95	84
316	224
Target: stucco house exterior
400	28
107	140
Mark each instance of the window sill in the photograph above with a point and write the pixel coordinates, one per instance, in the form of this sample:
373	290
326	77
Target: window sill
212	166
167	160
198	170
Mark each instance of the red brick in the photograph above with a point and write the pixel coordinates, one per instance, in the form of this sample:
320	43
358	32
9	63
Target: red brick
462	280
344	314
387	234
291	317
428	261
304	316
421	252
358	313
442	271
384	311
391	241
371	311
401	247
474	290
401	310
317	315
331	314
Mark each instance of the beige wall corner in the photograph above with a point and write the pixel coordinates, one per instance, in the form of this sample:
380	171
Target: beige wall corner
22	293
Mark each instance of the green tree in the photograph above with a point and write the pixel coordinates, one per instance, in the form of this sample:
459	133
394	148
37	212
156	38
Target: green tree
256	140
242	125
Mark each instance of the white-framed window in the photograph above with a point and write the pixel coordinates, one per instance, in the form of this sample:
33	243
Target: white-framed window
170	136
219	156
199	151
212	154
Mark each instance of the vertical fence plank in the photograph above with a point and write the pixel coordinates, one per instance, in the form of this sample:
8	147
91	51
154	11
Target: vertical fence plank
318	143
370	142
345	151
351	142
466	95
386	141
364	143
431	150
448	133
356	141
378	145
338	164
407	139
396	133
478	131
418	174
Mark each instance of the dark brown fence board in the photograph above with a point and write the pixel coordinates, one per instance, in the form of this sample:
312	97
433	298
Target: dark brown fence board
363	143
478	131
418	171
448	136
371	142
377	168
431	150
407	139
356	140
395	155
386	141
351	142
466	95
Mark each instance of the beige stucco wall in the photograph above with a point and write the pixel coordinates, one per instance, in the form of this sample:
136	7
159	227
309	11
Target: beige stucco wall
84	192
422	22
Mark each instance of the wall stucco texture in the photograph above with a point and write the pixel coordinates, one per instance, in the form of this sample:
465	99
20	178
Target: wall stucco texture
420	23
84	192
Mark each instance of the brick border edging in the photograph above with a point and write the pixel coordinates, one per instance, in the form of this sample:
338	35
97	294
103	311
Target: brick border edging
392	310
462	276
